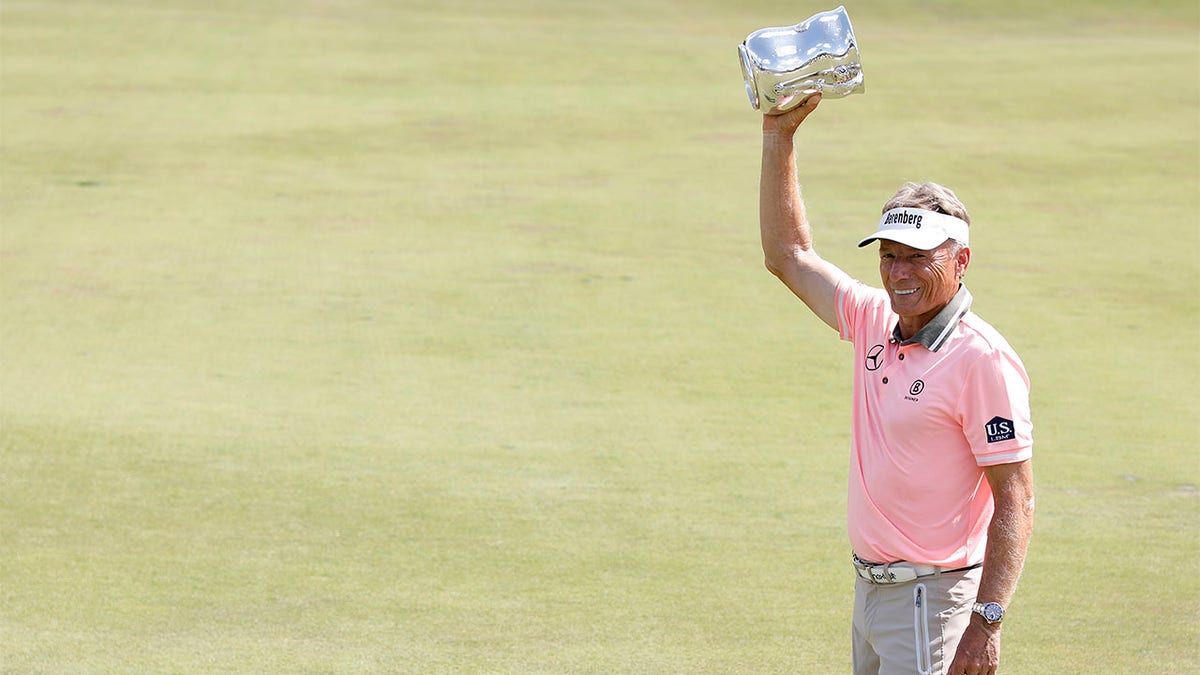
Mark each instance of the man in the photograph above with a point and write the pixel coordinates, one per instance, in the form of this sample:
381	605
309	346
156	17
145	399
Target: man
940	506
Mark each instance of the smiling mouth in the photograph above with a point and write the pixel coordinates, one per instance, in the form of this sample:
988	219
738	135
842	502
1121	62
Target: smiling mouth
909	291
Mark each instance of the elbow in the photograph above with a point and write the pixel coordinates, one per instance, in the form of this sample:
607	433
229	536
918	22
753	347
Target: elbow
1023	504
1027	501
782	263
1022	511
774	266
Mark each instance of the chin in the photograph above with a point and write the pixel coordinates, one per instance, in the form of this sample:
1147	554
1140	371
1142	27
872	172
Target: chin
910	302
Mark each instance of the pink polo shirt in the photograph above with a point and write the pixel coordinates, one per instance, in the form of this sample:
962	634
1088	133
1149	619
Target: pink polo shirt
928	415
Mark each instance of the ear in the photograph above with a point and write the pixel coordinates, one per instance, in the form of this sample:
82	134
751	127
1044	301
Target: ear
962	261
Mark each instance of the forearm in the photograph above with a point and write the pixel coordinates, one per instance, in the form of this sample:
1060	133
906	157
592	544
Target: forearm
782	218
786	239
1008	537
1008	541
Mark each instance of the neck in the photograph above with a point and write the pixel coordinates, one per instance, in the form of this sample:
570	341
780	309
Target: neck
909	325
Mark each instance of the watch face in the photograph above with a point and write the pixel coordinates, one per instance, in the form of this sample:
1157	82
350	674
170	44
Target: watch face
993	612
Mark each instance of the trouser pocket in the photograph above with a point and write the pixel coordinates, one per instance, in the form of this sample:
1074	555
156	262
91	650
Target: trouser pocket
921	630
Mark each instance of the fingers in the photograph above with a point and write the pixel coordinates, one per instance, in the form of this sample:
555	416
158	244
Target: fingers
805	108
788	122
969	667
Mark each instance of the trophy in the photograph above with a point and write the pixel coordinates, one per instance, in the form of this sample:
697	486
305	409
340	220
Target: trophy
784	66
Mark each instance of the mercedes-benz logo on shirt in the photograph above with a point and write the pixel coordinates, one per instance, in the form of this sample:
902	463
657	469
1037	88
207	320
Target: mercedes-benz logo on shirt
873	361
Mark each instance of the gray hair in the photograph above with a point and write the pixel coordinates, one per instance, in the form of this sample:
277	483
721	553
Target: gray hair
930	197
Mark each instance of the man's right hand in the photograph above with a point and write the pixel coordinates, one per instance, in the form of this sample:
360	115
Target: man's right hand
786	123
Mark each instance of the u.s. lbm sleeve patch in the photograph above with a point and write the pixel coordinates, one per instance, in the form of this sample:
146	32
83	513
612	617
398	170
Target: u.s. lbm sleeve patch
1000	429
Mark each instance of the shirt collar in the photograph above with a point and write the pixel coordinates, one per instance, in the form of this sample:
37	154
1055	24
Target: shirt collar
933	334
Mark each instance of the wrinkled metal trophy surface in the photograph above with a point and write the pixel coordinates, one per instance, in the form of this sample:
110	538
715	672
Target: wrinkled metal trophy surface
785	65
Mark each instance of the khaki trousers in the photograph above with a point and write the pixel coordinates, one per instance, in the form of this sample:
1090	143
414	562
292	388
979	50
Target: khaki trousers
911	628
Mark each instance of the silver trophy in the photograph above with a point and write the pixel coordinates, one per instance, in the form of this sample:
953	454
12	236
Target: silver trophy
785	65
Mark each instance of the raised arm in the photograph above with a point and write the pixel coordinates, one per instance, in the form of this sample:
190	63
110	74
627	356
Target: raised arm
786	239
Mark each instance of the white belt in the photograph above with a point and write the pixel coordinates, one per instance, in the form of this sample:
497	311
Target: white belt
899	572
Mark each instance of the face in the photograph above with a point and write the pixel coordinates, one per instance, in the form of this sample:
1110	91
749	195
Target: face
920	283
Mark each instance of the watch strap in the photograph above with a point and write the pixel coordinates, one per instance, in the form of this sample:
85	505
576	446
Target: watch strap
992	612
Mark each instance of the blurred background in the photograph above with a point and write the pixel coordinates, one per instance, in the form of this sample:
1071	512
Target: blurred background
372	336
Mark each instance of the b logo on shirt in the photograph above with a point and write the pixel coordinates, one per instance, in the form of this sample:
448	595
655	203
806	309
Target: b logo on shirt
873	357
1000	429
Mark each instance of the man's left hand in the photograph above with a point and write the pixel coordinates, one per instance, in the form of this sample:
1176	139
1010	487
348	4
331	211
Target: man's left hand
978	650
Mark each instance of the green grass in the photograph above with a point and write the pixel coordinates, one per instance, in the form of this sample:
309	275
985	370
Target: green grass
435	337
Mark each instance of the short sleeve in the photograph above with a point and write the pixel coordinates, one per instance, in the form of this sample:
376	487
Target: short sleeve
994	409
852	301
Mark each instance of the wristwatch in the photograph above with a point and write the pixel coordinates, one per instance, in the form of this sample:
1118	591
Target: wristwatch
991	612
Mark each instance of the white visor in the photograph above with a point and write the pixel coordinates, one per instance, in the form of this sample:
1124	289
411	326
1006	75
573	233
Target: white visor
919	228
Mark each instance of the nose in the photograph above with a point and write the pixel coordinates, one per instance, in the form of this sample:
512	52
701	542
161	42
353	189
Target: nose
899	270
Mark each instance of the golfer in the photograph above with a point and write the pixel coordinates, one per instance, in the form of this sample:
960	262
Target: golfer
940	504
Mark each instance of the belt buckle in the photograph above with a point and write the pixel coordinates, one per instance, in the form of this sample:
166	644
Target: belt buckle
884	575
